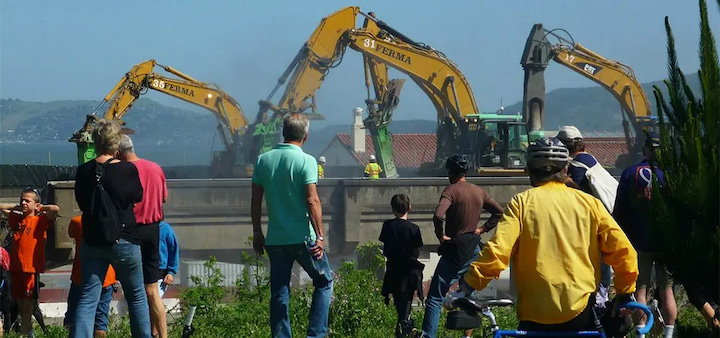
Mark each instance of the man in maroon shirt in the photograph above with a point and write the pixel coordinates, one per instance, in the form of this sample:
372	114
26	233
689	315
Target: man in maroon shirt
460	206
148	214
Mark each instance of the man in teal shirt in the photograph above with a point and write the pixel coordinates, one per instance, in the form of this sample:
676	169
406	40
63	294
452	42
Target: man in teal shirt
287	178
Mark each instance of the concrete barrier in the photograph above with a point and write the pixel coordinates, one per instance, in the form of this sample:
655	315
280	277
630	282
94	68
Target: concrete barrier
212	216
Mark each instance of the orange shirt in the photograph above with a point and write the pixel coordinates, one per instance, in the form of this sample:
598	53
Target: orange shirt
27	253
75	232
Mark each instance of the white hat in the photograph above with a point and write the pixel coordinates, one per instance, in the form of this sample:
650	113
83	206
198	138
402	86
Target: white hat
372	157
321	159
569	133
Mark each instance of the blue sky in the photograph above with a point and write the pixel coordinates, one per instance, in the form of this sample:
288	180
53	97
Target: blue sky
53	50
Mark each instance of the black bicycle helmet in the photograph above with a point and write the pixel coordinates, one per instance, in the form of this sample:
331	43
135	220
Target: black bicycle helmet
547	154
457	163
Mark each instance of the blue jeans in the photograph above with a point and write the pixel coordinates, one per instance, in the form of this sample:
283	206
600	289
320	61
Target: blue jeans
281	262
101	314
126	259
445	276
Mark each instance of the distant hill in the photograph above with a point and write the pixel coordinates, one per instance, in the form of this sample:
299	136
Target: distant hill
590	109
593	108
42	122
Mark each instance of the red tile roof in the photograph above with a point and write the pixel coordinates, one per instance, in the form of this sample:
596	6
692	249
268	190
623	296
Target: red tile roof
606	149
413	149
410	150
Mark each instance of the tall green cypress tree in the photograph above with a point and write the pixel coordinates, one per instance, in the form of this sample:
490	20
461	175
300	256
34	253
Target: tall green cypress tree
686	210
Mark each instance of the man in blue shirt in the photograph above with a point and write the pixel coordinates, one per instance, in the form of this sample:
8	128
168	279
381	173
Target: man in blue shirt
632	212
287	178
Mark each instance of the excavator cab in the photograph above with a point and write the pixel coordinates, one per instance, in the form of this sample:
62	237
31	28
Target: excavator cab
498	143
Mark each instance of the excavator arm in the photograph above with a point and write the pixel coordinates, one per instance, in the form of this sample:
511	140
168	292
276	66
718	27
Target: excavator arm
616	77
380	44
231	120
380	111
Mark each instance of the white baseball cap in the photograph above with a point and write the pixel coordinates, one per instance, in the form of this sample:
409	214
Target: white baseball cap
321	159
569	133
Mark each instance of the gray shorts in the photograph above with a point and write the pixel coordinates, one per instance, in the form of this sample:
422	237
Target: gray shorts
646	262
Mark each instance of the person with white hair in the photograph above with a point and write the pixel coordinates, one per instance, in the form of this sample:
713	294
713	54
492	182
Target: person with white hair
148	214
372	169
286	178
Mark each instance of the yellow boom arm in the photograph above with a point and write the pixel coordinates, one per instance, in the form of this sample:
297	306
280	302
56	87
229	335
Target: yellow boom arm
616	77
208	96
436	75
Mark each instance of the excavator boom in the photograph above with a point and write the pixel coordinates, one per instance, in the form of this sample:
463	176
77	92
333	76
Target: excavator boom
382	47
231	120
618	78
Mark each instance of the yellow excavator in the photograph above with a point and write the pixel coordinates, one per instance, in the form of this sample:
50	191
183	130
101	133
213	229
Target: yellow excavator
232	123
459	118
616	77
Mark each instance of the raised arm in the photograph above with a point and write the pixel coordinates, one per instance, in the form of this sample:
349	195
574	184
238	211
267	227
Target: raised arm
7	208
51	211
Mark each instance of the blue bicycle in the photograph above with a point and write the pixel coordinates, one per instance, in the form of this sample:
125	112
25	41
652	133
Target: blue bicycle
467	316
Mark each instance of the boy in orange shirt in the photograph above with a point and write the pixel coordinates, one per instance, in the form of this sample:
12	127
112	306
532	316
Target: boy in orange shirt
75	232
29	221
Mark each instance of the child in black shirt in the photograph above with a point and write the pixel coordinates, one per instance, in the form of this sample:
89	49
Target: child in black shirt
403	273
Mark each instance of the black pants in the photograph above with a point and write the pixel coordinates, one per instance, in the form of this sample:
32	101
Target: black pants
403	304
585	321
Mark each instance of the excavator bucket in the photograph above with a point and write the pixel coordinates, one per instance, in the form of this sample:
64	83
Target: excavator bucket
83	139
378	122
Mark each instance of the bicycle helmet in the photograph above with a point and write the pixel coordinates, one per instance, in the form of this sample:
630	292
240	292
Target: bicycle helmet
457	163
547	154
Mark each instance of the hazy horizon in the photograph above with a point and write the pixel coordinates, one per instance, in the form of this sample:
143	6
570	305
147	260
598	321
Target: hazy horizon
78	50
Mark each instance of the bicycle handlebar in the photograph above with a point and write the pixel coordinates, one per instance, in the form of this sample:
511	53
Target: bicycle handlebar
517	333
648	313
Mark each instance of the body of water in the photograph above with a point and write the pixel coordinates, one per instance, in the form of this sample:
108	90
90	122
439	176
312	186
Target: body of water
66	153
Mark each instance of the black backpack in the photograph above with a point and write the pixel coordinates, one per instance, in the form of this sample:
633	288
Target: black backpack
102	223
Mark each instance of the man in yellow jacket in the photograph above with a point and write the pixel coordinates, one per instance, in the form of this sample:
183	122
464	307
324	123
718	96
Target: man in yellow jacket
551	232
372	169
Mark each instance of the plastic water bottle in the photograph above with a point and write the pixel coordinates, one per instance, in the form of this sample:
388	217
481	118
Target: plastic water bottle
316	260
310	243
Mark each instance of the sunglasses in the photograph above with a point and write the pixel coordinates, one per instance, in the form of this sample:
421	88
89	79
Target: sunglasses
33	190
